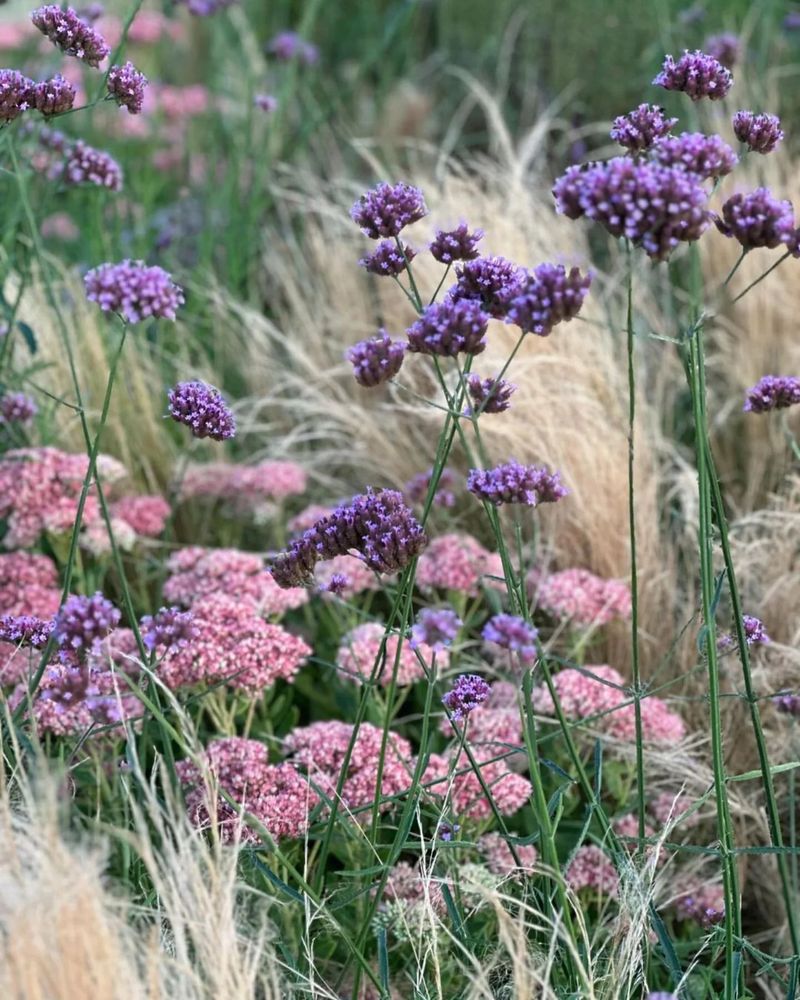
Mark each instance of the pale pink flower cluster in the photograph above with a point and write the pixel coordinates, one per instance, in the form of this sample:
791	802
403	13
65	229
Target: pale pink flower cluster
583	598
351	575
94	537
672	807
321	747
466	797
360	649
146	514
408	885
245	487
457	562
276	795
499	859
628	826
235	646
590	868
28	585
600	689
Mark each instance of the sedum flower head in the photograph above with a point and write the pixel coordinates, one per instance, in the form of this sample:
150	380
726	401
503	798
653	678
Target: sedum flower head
773	392
545	296
705	155
641	128
54	97
376	360
70	34
449	328
134	290
468	693
516	483
489	395
126	85
388	259
760	133
696	74
451	245
17	94
387	209
202	408
757	219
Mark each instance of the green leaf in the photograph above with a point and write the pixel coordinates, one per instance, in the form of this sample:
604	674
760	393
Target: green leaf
28	335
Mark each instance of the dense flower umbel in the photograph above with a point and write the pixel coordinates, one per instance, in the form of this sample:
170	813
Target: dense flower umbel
247	488
28	585
362	648
416	489
387	209
705	155
696	74
654	206
376	360
515	483
583	598
435	627
126	85
388	259
456	562
499	859
773	392
451	245
85	165
25	630
54	97
725	48
82	621
486	280
17	408
203	409
468	692
379	526
449	328
147	515
546	296
465	793
757	219
489	395
134	290
642	127
512	633
17	94
168	627
590	868
70	34
760	133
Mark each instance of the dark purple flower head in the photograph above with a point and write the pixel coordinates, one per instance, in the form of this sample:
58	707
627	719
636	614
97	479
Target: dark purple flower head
169	628
202	408
725	48
512	633
206	8
447	831
451	245
754	632
25	630
416	489
376	360
379	526
266	102
387	259
757	219
486	280
387	209
54	97
126	85
468	693
448	328
760	133
653	206
70	34
792	21
83	621
489	395
640	128
515	483
436	627
17	94
545	296
85	165
787	702
773	392
697	75
17	408
704	155
134	290
338	584
288	45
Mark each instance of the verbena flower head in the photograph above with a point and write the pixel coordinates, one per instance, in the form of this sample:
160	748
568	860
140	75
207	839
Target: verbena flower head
70	34
344	576
376	360
512	633
449	328
760	133
703	902
545	296
757	219
451	245
202	408
516	483
489	395
705	155
583	598
787	702
754	631
725	48
85	165
83	621
772	392
435	627
17	94
387	260
266	102
134	290
696	74
126	85
468	692
387	209
654	206
170	628
288	45
641	128
17	408
25	630
416	489
486	280
54	97
206	8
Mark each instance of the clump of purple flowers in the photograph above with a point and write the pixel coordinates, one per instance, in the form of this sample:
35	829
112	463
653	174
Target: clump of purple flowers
787	702
288	45
54	97
754	632
169	628
435	627
516	483
760	133
17	408
512	633
376	360
696	74
387	209
134	290
486	280
773	392
757	219
202	408
25	630
70	34
545	296
416	489
126	85
489	395
266	102
388	259
705	155
17	94
85	165
725	48
641	128
468	693
451	245
83	621
448	328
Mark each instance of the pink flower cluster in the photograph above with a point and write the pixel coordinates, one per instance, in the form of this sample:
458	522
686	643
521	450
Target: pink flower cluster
248	488
308	517
499	859
276	795
235	646
146	515
583	598
463	788
457	562
28	585
669	807
590	868
361	647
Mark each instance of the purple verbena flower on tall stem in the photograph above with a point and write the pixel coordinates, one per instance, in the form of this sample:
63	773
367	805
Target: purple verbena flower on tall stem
696	74
641	128
134	290
451	245
54	97
81	622
388	259
376	360
85	165
760	133
489	395
516	483
17	408
773	392
170	628
757	219
435	627
469	692
70	34
387	209
512	633
725	48
448	328
25	630
705	155
546	296
126	86
17	94
486	280
203	409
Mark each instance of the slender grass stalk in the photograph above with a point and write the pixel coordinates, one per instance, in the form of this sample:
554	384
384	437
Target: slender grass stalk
763	275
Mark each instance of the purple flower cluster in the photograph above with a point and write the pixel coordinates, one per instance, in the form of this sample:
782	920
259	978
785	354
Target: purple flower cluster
641	128
760	133
486	280
653	206
85	165
696	74
416	489
451	245
545	296
757	219
489	395
54	97
787	702
435	627
133	290
266	102
754	631
725	48
773	392
448	328
387	209
17	94
512	633
516	483
468	693
388	259
288	45
376	360
202	408
126	85
379	526
83	621
704	155
70	34
25	630
17	408
169	628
